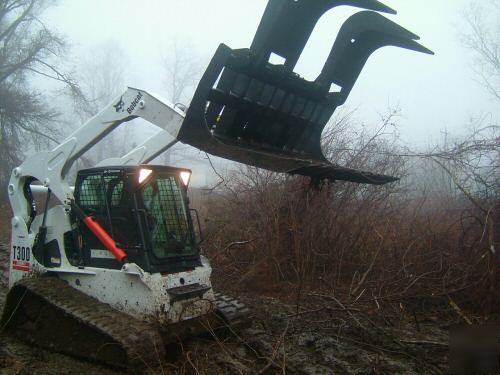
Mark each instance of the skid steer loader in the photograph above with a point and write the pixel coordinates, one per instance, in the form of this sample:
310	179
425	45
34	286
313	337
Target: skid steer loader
112	271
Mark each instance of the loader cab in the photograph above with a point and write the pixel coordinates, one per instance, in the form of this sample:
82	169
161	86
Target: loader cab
144	209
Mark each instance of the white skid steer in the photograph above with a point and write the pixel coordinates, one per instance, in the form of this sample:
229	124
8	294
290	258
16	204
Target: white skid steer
116	260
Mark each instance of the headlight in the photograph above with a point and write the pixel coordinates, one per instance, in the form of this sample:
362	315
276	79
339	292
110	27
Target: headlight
144	174
185	177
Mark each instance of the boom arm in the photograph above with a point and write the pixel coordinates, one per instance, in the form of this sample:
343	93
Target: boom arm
51	167
144	153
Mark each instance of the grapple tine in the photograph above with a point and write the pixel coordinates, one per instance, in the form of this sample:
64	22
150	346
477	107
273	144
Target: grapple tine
328	171
287	25
361	35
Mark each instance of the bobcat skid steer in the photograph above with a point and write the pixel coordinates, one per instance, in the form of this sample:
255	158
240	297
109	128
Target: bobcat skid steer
110	269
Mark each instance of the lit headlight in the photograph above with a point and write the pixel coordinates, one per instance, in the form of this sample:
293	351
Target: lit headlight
144	174
185	177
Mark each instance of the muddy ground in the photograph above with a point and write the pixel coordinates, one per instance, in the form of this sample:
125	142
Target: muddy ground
314	334
320	335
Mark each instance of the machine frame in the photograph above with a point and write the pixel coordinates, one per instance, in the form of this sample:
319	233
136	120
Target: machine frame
129	289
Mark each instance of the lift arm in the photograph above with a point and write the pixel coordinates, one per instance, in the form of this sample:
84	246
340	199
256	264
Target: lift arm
51	167
144	153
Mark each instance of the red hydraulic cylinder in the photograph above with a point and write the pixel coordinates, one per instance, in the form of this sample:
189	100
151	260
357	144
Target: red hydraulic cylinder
100	233
105	238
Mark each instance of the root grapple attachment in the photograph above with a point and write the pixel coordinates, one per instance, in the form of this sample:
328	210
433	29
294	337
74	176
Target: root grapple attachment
249	110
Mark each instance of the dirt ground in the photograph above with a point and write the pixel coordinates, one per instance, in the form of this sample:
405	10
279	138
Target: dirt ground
319	335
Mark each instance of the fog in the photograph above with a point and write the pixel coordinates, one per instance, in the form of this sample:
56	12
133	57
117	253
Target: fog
433	92
372	250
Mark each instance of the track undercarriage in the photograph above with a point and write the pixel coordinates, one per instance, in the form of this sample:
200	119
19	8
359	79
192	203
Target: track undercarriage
47	312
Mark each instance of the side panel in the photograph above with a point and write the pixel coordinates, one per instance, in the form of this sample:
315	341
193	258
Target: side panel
22	259
21	256
146	296
140	294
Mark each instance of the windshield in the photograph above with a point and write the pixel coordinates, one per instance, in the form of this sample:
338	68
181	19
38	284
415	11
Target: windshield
167	219
107	198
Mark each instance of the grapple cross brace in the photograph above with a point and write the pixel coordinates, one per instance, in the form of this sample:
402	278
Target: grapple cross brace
251	111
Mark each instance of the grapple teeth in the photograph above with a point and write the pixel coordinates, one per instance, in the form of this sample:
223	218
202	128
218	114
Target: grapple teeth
287	25
253	112
360	36
324	171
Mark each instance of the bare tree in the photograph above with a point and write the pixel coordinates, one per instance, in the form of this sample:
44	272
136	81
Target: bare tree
183	67
101	77
483	38
27	48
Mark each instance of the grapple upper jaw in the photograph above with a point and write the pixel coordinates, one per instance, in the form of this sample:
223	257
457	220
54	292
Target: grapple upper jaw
360	36
287	25
248	110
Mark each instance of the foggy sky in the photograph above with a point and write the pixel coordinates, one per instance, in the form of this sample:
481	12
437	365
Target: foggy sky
433	92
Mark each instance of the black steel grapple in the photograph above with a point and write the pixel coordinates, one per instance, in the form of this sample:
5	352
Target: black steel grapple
249	110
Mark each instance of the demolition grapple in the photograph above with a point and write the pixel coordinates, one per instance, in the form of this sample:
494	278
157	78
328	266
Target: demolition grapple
251	111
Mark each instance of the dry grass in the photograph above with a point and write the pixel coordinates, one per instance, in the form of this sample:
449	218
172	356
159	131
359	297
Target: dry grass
418	243
368	246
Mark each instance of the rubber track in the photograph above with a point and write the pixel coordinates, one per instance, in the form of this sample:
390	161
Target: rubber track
139	340
235	313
